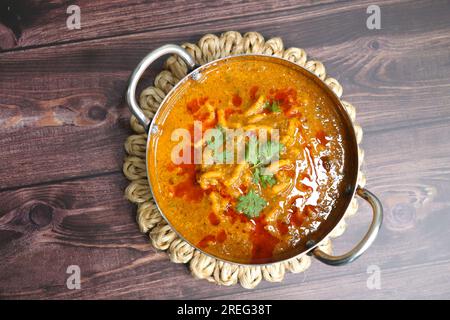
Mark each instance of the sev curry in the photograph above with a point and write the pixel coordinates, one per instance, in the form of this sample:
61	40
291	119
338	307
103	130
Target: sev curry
257	207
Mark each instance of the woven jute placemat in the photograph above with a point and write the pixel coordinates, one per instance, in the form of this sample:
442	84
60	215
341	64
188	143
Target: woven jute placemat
211	47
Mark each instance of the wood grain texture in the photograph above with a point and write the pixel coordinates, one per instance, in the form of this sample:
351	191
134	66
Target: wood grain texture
37	23
63	122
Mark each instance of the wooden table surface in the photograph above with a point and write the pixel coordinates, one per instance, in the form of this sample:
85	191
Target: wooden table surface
63	122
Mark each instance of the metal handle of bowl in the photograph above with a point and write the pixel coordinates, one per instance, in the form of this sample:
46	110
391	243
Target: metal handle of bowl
365	243
142	66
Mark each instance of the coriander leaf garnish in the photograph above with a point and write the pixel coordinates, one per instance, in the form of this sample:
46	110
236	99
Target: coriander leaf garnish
267	180
213	143
223	157
256	177
251	204
274	106
264	179
258	155
251	152
268	151
210	143
220	128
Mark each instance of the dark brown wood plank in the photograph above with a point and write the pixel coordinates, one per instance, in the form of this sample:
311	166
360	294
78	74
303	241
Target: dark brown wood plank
26	23
62	109
396	283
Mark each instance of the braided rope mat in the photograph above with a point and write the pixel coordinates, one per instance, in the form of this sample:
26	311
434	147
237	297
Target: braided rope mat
211	47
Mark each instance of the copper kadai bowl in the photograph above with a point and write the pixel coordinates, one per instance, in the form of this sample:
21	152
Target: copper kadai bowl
350	176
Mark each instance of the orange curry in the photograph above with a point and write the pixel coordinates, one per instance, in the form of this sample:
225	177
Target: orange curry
257	208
